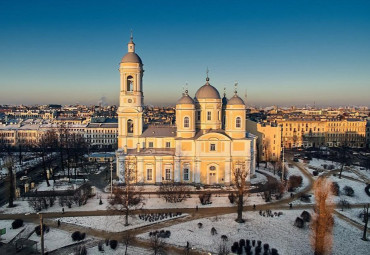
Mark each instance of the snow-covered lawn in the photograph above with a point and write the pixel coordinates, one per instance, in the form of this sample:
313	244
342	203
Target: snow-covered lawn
360	195
58	185
54	239
278	232
319	163
293	170
118	251
10	232
23	207
112	223
352	214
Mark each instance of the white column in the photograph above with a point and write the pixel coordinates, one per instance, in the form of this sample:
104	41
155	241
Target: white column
177	170
121	169
227	171
248	168
158	170
197	171
140	171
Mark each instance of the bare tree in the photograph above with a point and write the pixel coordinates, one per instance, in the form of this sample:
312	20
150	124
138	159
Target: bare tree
174	193
240	177
127	198
266	149
366	220
323	221
157	245
344	158
9	164
63	133
45	147
127	240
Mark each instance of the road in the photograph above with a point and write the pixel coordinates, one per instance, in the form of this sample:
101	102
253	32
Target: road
35	174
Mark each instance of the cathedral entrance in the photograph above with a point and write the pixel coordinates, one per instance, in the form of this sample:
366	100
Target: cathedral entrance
212	179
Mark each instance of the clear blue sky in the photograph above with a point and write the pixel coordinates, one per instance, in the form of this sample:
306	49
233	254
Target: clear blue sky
281	52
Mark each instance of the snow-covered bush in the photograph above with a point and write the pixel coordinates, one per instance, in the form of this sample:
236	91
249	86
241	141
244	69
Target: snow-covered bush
306	216
17	223
299	222
213	231
349	191
335	189
294	182
113	244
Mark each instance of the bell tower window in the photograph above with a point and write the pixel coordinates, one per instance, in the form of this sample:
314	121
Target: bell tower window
238	122
186	122
130	83
209	115
130	127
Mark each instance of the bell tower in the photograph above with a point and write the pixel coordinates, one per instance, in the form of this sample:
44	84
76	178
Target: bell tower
130	111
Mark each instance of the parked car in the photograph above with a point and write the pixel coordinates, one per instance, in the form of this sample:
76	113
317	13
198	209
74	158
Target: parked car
23	178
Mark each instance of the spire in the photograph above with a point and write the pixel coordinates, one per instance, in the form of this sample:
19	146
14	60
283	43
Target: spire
224	91
236	88
131	44
207	79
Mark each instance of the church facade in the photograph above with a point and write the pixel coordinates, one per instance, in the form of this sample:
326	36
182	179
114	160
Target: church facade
208	142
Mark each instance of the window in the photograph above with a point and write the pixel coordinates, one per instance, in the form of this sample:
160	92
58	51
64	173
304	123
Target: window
212	168
168	144
168	174
198	115
238	122
213	147
150	144
130	83
130	127
149	174
209	115
186	122
186	174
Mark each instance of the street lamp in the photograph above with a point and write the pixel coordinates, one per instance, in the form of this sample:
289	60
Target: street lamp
41	232
111	178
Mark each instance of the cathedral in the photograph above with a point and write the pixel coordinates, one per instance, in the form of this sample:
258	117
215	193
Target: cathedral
207	143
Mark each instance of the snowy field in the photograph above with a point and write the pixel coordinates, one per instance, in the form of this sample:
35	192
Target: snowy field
120	250
352	214
278	232
360	195
112	223
10	232
55	239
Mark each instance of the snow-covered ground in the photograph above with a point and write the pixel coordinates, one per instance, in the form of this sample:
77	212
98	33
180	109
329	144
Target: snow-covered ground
118	251
293	170
360	195
59	185
278	232
10	232
112	223
55	239
352	214
319	163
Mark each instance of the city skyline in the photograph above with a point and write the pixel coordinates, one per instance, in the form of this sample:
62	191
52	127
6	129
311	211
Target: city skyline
282	53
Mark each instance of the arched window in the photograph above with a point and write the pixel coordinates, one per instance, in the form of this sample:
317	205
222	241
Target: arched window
130	83
238	122
186	122
130	127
